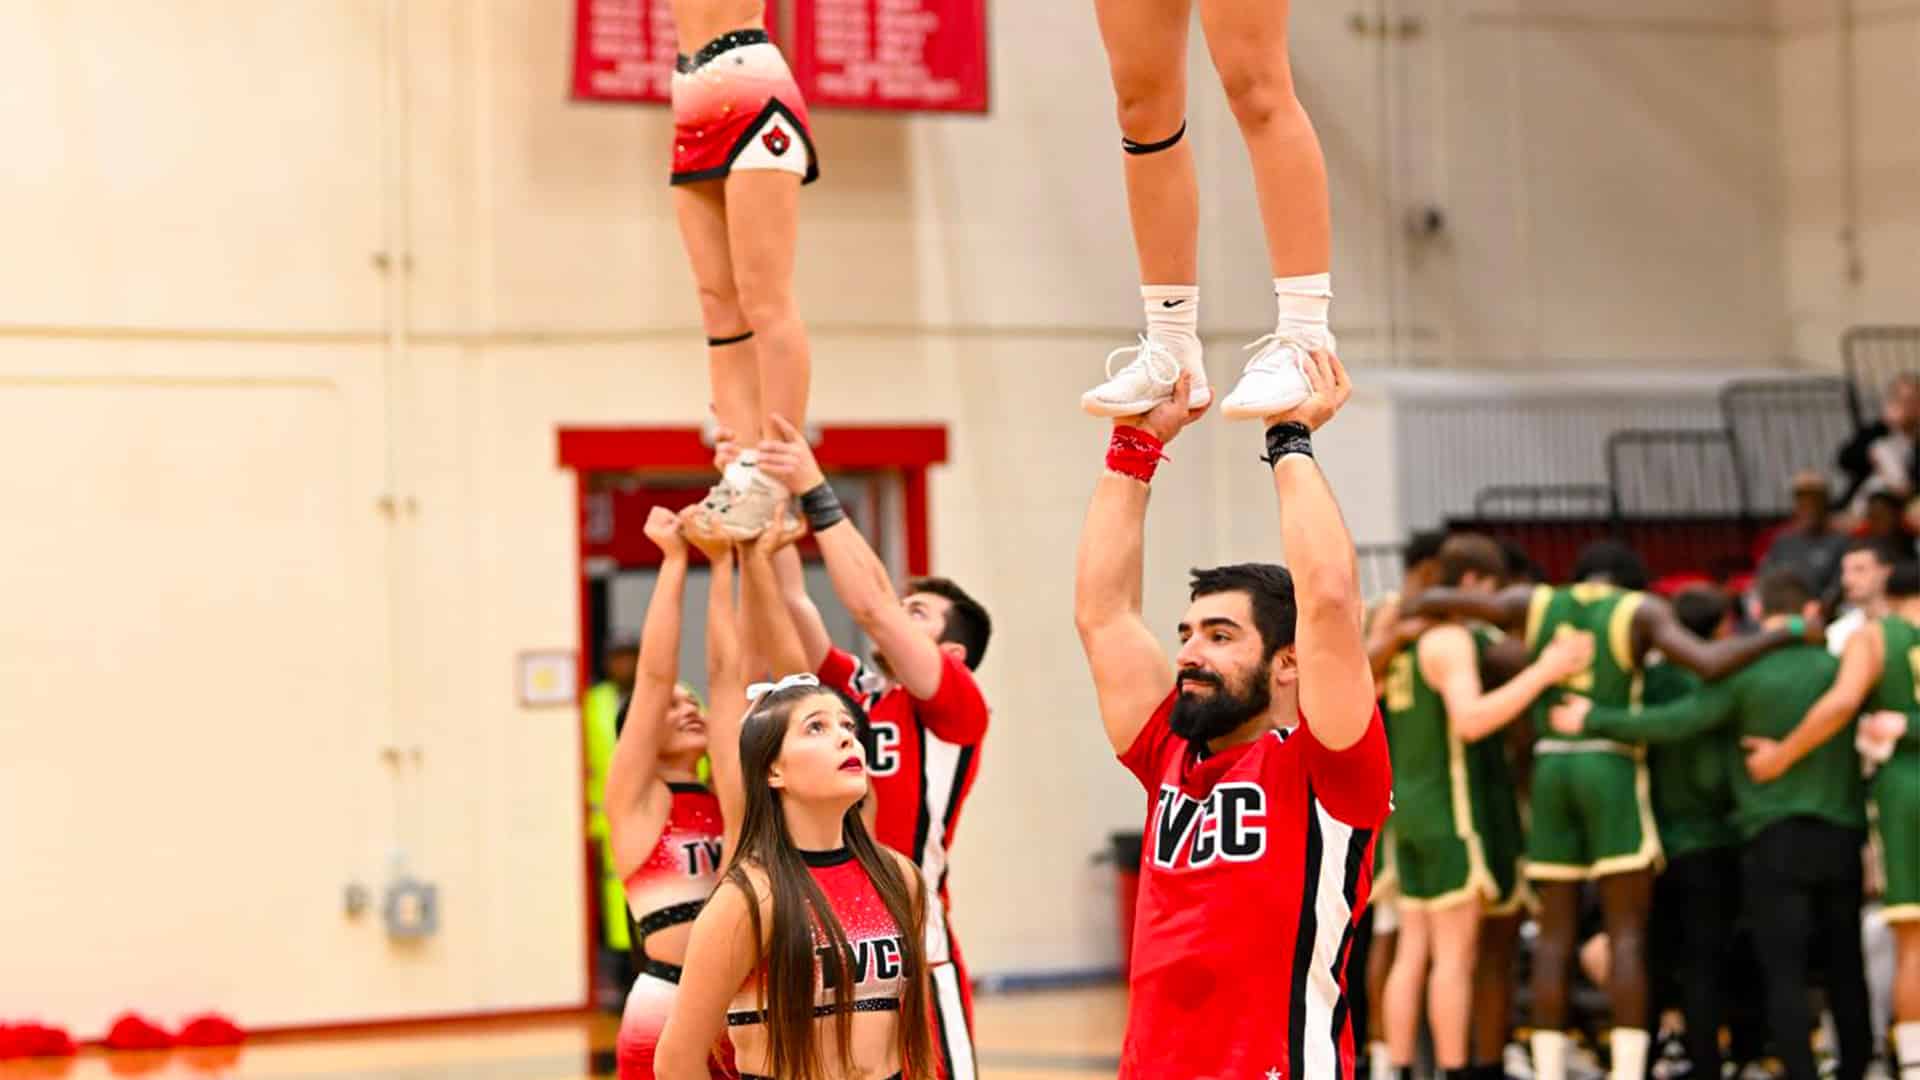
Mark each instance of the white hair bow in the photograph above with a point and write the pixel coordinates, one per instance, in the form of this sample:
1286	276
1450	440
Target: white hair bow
762	689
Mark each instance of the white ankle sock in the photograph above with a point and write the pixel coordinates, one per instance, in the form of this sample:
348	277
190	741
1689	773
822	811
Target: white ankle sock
1303	301
1629	1053
1549	1055
1173	318
1906	1045
1379	1062
741	470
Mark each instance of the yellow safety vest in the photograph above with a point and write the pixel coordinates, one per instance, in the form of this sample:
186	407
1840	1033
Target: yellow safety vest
600	714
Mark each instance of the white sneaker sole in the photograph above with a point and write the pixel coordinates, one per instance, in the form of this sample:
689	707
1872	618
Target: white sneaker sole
1256	410
1202	396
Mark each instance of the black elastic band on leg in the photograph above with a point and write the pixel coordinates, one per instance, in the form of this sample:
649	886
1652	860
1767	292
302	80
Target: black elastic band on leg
1138	148
716	342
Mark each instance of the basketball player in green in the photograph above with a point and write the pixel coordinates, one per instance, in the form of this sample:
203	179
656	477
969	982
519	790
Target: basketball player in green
1696	897
1388	635
1458	844
1592	811
1880	673
1799	843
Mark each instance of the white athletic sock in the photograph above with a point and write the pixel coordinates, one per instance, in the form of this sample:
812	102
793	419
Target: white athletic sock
1303	301
1173	318
1549	1055
1906	1046
1629	1053
741	470
1380	1063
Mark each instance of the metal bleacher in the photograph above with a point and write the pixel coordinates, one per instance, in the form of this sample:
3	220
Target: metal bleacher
1675	473
1781	426
1873	355
1703	500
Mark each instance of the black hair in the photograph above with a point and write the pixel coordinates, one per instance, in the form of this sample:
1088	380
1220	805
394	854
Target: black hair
968	624
1884	551
1886	498
1520	564
792	961
1422	546
1782	590
1905	579
1612	561
1269	590
1701	610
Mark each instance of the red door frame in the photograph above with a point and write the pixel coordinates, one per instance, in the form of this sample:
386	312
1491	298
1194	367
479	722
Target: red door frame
910	450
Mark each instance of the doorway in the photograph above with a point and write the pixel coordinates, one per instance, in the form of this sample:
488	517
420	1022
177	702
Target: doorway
880	474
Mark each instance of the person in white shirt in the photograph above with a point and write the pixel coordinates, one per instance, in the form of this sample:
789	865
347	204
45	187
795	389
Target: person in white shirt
1885	456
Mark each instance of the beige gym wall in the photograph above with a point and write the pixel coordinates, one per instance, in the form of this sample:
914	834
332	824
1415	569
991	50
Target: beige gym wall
210	377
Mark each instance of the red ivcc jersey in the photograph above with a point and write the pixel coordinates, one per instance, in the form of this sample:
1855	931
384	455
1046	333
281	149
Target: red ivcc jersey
1255	870
925	756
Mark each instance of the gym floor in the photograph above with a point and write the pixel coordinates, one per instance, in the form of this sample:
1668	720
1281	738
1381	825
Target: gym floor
1056	1035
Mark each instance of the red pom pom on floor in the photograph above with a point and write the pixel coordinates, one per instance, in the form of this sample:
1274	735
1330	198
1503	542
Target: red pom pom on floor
36	1041
211	1030
135	1032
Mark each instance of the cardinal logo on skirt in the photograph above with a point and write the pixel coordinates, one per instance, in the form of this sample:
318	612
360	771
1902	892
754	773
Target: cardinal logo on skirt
777	141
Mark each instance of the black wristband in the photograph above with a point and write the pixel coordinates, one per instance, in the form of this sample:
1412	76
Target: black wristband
1288	437
822	507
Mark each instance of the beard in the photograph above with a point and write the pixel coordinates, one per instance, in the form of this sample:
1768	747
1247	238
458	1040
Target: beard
1200	720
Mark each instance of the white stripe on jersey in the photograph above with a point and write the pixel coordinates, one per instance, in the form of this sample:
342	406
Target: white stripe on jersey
939	774
1332	913
955	1041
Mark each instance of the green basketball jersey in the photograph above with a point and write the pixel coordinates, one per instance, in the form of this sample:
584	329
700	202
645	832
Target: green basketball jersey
1430	764
1607	613
1692	790
1899	685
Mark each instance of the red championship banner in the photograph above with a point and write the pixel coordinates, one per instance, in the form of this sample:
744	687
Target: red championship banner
892	54
623	50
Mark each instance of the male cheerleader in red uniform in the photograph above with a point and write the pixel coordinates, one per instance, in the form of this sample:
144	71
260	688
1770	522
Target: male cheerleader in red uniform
926	712
1264	759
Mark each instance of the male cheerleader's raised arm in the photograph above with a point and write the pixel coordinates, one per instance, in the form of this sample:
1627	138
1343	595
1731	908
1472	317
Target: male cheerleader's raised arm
1131	672
636	756
1657	627
1336	675
772	626
792	576
1862	663
726	673
859	577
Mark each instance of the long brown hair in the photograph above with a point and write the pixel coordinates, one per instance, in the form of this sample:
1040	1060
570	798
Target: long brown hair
788	961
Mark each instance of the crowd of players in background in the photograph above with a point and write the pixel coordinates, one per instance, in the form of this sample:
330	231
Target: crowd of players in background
1732	862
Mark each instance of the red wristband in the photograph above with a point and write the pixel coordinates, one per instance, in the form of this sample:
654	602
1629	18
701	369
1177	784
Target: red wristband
1134	453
